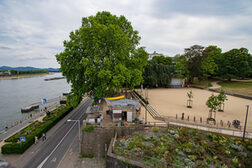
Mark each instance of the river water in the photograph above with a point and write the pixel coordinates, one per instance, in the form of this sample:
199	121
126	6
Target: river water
18	93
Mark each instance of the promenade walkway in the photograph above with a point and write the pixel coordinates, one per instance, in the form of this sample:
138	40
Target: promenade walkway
22	124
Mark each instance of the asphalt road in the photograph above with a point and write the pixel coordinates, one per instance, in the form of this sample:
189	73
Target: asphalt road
51	152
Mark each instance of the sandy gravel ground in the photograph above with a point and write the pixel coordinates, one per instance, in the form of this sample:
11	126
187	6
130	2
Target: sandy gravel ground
172	101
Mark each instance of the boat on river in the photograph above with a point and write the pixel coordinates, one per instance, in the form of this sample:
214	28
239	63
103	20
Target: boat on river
55	78
29	108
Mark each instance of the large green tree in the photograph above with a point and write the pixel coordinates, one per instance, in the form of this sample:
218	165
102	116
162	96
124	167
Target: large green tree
157	74
102	56
235	63
193	56
210	61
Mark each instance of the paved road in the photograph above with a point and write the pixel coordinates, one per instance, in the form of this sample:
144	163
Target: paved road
51	152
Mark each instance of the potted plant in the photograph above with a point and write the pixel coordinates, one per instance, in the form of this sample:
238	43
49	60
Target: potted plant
213	103
222	97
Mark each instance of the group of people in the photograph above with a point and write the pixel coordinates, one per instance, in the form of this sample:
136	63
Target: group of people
36	138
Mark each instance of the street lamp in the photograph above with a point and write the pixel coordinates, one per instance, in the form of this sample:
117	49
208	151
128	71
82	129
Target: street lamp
243	137
78	121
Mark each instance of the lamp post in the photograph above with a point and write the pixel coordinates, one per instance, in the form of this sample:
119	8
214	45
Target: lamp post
245	123
78	121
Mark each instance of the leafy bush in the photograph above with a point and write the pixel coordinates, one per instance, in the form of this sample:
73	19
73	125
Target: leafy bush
63	102
155	129
35	129
86	156
89	128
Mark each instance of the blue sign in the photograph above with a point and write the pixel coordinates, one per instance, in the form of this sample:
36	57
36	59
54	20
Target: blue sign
22	139
43	101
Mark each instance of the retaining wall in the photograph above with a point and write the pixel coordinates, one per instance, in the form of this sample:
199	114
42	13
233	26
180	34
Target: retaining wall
94	142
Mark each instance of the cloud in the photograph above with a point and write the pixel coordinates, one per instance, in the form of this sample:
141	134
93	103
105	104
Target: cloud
32	32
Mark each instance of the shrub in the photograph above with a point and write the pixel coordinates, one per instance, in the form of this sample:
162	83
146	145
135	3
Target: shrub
89	128
63	102
86	155
155	129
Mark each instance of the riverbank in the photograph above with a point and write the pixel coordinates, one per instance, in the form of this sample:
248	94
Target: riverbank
24	76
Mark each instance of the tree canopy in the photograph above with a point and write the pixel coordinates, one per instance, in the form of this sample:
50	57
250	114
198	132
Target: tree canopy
102	56
201	62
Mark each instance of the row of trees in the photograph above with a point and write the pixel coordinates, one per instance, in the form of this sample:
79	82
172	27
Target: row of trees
200	62
25	72
203	63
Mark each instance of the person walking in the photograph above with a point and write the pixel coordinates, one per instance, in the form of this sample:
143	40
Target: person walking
43	136
36	139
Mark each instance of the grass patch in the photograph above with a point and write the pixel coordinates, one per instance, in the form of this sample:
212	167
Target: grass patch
236	84
86	156
244	88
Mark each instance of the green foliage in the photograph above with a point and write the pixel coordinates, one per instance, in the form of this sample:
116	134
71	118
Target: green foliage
193	56
193	148
89	128
162	60
86	156
157	74
190	95
180	69
235	63
209	62
28	72
35	129
74	99
63	101
222	97
155	129
236	84
102	56
213	103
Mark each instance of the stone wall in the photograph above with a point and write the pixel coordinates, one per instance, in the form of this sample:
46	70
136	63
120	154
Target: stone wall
94	142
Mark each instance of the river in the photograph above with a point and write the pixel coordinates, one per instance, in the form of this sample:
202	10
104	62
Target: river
18	93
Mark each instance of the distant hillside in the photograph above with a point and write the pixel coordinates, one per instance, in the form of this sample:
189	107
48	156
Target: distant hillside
28	69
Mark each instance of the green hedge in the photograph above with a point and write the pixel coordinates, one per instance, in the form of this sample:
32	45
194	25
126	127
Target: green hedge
37	129
63	101
145	101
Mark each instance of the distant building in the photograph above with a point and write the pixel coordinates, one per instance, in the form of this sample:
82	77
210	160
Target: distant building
151	55
124	109
177	82
5	72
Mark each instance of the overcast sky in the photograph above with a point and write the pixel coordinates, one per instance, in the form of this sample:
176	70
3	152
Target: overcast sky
32	31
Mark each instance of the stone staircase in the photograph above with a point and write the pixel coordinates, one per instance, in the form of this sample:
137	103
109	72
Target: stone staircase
149	108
